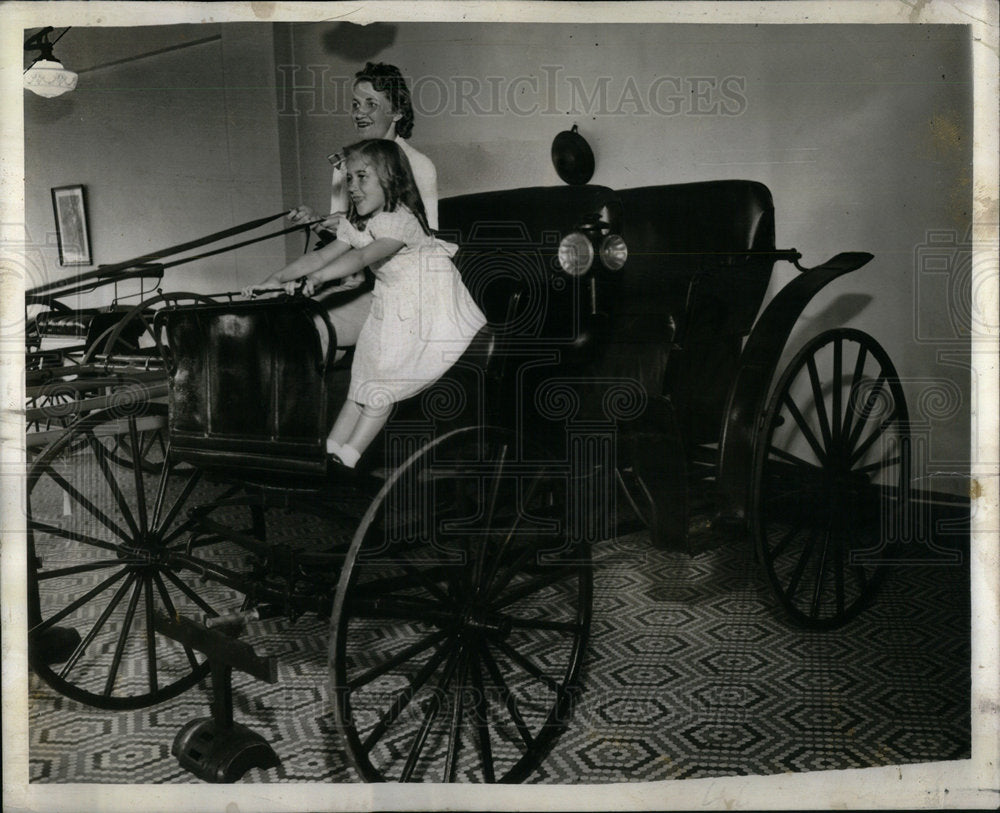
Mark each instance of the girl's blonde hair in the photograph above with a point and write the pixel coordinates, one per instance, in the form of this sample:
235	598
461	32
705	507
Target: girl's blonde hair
392	168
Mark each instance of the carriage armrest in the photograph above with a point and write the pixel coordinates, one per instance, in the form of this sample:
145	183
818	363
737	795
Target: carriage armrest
843	263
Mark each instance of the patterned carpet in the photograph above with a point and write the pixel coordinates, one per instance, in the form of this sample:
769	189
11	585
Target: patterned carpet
692	672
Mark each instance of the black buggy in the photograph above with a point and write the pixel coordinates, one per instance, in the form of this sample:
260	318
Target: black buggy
624	366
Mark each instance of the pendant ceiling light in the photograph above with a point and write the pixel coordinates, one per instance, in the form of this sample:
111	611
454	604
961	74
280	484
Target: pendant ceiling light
45	75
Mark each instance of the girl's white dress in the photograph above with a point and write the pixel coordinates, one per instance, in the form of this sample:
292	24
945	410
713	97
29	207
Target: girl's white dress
422	316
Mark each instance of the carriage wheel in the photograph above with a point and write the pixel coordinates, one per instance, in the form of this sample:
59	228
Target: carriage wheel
831	477
111	341
461	616
148	448
111	545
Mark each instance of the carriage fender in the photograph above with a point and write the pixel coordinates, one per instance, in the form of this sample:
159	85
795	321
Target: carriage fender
751	385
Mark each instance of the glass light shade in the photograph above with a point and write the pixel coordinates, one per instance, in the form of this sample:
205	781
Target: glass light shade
49	78
576	254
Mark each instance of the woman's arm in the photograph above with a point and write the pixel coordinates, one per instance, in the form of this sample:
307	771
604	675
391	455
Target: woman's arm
425	176
346	263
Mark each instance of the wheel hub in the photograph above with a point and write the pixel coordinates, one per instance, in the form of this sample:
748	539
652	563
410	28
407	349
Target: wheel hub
480	621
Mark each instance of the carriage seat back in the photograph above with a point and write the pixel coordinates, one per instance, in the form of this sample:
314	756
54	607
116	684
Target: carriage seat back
508	241
698	267
698	241
247	385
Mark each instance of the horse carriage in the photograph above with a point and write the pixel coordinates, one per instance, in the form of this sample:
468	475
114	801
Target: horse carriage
624	365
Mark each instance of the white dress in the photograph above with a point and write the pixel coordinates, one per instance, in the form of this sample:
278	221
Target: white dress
422	316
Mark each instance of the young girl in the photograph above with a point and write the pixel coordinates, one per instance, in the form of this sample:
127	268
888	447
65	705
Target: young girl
422	316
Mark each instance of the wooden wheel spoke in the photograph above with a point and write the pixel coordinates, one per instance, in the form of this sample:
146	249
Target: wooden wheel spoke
140	488
161	526
800	567
805	429
399	658
101	454
507	696
150	636
116	659
433	708
530	667
75	536
837	416
87	568
73	606
820	401
502	548
102	619
190	593
169	604
788	457
876	433
884	463
786	539
503	579
427	583
482	725
455	725
866	410
491	506
820	576
404	696
856	378
88	506
554	574
571	627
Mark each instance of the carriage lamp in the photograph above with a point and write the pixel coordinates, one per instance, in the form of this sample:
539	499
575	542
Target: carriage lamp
614	252
576	254
45	75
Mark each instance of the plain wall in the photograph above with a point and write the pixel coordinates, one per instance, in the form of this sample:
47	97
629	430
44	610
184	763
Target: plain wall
173	132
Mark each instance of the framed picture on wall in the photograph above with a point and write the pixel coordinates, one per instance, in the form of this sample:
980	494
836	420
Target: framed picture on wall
69	205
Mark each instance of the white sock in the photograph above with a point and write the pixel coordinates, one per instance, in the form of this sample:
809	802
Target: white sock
332	447
348	455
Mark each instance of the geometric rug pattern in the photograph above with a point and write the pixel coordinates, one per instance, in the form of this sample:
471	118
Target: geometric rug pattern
692	671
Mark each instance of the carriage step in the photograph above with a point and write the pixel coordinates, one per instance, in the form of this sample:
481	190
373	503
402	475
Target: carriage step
220	753
216	748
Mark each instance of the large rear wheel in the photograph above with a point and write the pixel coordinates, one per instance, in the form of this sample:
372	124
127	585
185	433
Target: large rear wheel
461	616
831	477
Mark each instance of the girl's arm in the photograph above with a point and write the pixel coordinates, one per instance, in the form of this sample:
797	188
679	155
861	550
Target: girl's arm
345	263
303	266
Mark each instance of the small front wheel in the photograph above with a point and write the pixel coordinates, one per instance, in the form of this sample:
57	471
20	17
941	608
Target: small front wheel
111	543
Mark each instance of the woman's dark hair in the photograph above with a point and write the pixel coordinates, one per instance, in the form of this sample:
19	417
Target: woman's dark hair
388	80
395	176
